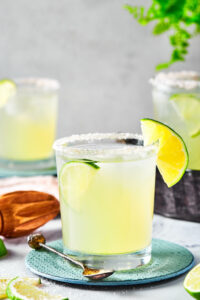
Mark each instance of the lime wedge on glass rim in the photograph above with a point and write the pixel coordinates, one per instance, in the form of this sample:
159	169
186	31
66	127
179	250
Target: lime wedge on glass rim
7	90
172	158
4	283
192	282
75	178
19	289
188	108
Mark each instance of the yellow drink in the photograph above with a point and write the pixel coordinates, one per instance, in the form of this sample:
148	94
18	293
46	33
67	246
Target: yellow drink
107	203
28	122
114	215
176	101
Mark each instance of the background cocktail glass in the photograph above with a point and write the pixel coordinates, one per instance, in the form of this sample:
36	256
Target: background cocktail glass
106	184
28	121
176	100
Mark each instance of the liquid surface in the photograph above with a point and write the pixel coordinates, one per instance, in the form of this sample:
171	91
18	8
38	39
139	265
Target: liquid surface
114	213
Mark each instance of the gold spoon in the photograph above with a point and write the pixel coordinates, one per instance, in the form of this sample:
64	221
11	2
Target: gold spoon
37	241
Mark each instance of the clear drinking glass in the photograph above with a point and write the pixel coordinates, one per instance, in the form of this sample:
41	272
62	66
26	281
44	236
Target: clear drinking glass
28	123
106	184
176	100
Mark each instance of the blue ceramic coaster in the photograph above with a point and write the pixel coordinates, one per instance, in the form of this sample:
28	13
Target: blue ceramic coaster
168	260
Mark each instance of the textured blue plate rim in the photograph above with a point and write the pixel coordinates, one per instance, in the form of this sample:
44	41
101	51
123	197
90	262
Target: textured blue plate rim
114	283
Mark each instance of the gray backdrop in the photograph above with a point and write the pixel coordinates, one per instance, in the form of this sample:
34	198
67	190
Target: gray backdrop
101	56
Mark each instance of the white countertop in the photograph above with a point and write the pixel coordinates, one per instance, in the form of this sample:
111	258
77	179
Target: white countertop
181	232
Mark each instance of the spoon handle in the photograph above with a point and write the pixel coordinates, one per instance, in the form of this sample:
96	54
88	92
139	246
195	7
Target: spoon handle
67	257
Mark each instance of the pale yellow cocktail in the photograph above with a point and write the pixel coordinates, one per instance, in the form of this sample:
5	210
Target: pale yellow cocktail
176	100
28	121
106	187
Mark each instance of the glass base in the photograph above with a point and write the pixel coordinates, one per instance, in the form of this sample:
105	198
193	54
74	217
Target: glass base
27	168
114	262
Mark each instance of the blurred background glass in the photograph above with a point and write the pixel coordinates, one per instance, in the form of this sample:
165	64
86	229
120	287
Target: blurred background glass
28	120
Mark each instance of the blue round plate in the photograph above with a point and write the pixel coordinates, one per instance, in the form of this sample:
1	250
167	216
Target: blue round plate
168	260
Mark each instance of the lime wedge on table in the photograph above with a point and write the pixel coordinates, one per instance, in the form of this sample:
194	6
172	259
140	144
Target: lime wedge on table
75	178
19	289
4	283
7	90
192	282
172	158
3	250
188	108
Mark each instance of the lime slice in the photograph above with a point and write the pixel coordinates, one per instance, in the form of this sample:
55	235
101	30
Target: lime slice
19	289
188	108
3	250
7	90
75	178
172	159
192	282
4	282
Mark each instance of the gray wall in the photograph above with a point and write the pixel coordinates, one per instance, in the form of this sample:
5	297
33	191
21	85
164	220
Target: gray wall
101	56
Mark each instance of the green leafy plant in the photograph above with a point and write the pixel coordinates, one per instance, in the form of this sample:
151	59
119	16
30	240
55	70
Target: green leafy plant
180	17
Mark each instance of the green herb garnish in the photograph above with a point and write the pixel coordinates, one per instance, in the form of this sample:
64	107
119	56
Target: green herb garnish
180	17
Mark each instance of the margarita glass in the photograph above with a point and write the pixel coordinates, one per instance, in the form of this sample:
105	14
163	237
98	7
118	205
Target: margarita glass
176	100
28	121
106	185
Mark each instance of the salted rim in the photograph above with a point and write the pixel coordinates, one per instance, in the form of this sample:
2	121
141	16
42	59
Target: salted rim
36	82
67	146
187	80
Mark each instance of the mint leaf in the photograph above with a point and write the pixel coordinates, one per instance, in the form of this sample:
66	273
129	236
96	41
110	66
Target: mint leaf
161	27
